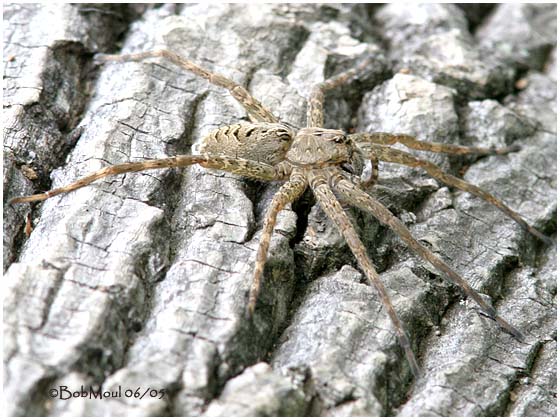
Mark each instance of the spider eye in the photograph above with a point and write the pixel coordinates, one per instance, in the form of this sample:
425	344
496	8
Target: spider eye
341	139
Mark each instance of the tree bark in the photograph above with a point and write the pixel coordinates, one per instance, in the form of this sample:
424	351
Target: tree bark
138	283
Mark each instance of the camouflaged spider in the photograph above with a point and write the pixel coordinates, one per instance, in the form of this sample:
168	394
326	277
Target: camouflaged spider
267	149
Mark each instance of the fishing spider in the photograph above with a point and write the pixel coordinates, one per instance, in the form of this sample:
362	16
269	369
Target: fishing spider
267	149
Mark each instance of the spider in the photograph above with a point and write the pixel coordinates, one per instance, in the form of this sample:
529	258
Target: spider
323	159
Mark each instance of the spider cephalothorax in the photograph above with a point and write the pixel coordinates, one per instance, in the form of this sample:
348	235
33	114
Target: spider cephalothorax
319	147
314	157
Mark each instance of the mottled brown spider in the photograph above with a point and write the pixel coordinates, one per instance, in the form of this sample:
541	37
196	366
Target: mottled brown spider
267	149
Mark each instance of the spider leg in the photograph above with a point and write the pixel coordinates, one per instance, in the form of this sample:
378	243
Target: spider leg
355	196
315	115
388	154
289	192
388	139
248	168
257	112
335	212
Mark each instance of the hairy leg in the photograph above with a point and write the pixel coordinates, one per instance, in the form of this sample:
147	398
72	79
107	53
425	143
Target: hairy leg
388	154
315	115
335	212
355	196
388	139
257	112
248	168
289	192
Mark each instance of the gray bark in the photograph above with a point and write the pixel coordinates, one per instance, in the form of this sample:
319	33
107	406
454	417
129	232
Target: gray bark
140	281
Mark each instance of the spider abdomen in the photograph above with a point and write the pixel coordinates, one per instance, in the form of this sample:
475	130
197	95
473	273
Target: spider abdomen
264	142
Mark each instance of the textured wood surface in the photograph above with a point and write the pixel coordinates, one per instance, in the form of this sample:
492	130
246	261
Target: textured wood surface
141	281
